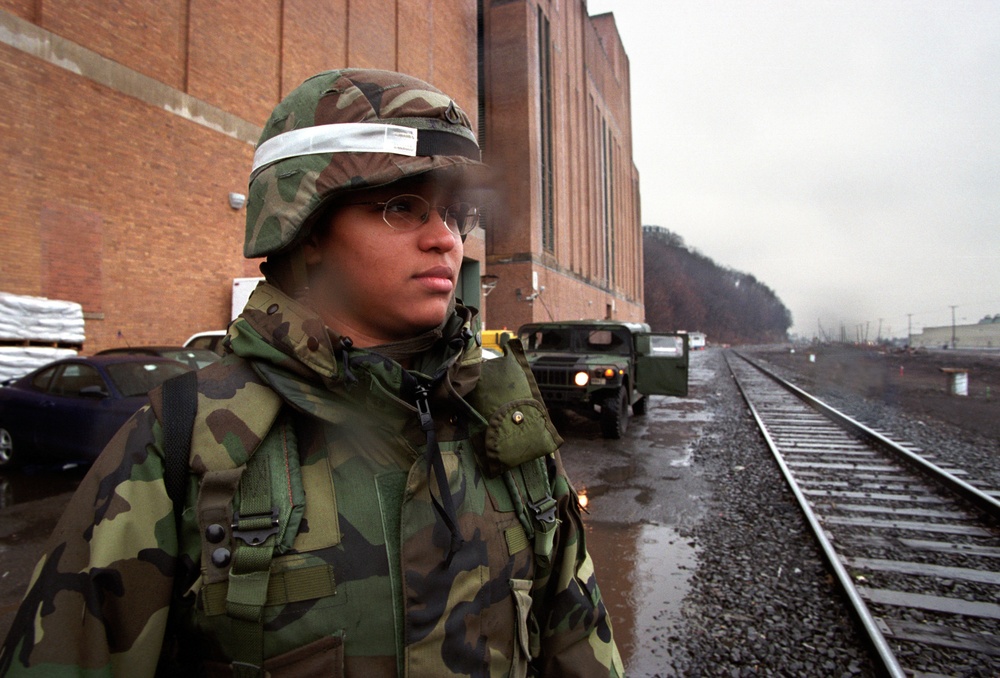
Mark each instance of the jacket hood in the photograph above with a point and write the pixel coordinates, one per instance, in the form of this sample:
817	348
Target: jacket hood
310	366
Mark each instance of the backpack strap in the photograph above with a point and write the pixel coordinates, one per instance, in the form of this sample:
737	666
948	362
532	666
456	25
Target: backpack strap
255	527
518	443
225	434
180	405
535	478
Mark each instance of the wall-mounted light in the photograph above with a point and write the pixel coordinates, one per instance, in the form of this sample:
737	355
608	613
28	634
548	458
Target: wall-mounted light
488	282
237	200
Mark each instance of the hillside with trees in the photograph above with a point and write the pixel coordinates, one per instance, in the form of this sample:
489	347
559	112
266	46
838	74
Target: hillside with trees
686	290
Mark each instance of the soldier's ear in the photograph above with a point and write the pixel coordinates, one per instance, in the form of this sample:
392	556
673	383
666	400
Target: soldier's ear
312	250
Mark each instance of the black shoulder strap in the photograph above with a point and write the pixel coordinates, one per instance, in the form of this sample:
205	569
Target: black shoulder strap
180	404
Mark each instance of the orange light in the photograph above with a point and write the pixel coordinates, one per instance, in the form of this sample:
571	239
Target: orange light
609	372
581	378
582	498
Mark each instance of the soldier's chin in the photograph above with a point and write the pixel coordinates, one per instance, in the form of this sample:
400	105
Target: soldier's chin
432	319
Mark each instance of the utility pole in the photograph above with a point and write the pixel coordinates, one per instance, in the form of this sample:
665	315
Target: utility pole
909	330
953	326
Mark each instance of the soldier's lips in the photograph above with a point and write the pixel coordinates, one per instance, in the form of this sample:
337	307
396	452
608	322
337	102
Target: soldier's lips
437	279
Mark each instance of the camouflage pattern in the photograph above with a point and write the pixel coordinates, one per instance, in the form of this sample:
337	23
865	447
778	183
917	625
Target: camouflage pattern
360	580
284	194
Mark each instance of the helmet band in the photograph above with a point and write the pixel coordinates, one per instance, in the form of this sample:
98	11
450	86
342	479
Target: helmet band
362	137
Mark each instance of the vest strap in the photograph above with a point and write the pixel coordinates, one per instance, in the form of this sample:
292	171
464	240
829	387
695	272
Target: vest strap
254	528
291	586
532	493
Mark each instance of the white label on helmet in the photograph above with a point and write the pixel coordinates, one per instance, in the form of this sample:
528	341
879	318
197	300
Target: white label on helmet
348	137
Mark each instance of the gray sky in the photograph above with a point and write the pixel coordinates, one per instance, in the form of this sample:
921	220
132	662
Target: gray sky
846	154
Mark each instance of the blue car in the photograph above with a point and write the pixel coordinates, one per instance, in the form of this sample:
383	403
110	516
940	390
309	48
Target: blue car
67	411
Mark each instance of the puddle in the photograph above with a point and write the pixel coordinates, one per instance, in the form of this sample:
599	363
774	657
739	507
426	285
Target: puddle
643	572
32	484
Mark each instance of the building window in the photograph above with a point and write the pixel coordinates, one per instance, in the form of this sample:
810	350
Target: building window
484	212
608	199
545	130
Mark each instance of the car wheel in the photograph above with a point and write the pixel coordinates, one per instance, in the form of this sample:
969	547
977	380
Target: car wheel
639	406
614	414
6	449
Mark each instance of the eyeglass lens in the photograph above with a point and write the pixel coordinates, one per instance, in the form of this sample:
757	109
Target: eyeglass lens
406	212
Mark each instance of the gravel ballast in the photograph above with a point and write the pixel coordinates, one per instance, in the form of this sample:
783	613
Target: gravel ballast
761	602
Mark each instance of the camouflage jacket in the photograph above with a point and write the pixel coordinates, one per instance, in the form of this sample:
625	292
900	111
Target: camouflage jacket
358	578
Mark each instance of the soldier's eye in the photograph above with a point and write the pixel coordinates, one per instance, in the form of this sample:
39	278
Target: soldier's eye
406	211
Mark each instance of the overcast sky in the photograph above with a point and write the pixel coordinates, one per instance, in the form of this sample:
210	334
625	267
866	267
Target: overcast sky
846	154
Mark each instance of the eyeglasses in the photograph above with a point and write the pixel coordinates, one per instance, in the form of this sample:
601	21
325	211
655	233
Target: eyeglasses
409	212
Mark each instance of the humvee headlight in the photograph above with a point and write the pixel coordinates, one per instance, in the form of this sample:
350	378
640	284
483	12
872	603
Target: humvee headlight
581	378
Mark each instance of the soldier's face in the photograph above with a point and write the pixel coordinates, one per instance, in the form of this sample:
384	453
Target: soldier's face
376	284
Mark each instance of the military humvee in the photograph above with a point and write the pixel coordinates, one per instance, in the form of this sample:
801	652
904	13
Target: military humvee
604	368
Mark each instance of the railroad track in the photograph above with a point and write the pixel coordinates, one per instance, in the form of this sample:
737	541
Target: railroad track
915	548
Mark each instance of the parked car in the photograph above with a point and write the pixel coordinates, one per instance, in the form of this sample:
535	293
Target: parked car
68	410
603	368
212	340
195	358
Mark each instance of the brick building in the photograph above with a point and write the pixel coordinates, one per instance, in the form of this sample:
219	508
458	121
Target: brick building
130	124
564	237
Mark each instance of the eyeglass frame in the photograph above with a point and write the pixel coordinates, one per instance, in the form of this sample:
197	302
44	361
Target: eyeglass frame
427	215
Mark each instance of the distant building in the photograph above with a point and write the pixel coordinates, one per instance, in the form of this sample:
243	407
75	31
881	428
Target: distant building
984	334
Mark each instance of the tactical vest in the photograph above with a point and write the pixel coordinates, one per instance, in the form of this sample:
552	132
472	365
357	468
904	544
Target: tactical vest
243	451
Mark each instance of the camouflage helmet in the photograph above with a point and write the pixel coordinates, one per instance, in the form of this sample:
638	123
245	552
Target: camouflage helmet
343	130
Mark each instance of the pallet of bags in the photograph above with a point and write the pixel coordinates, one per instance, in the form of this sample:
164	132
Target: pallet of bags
35	331
17	361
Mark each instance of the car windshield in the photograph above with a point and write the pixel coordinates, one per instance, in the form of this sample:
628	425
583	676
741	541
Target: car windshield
138	378
195	358
576	340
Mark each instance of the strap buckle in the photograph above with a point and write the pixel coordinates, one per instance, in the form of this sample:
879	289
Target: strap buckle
545	509
254	529
246	670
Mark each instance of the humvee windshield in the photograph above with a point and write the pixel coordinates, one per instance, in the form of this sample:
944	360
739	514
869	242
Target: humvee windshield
576	340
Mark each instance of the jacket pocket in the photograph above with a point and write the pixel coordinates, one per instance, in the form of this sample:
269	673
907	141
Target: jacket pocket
323	657
526	641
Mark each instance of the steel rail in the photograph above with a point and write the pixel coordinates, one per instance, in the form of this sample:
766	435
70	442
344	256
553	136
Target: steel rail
984	502
885	654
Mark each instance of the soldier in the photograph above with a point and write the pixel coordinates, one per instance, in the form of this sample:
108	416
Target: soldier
361	494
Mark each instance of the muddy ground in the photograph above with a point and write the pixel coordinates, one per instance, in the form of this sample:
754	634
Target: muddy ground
912	381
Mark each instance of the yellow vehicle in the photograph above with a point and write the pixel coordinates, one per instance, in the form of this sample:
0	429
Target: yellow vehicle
496	339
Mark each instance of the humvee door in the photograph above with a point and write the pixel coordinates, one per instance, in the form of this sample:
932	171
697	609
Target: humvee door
662	364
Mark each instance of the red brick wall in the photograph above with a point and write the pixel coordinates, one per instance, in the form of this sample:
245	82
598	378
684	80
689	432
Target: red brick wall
150	196
511	136
314	39
234	56
73	257
122	205
590	102
25	9
148	37
126	213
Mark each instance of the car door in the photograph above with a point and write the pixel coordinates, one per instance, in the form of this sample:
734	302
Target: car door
26	410
662	364
77	400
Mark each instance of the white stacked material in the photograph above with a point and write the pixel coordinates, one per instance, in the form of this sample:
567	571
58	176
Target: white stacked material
16	361
37	319
35	331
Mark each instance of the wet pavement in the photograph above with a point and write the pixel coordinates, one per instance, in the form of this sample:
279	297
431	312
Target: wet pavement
31	502
641	491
